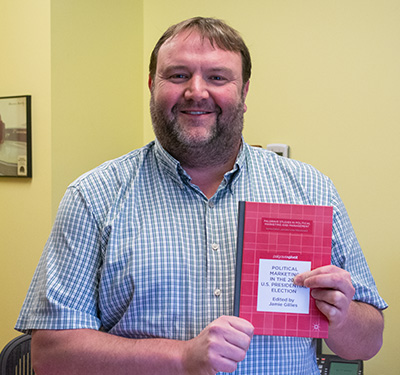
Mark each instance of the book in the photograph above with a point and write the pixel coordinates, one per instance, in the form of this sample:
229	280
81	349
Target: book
275	243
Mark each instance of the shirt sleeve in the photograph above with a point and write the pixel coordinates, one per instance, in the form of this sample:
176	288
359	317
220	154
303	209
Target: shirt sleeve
347	254
64	290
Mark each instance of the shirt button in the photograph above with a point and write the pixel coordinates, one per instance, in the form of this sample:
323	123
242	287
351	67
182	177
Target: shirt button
215	246
217	292
210	204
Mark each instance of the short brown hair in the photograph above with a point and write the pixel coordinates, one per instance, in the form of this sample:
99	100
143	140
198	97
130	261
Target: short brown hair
216	31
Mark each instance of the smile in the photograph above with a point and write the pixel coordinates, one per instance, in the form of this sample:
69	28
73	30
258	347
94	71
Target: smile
196	112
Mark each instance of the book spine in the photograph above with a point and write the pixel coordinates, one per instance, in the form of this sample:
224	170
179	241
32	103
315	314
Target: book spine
239	255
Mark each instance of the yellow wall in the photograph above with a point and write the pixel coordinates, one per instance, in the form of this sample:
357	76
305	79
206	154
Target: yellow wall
25	205
96	85
326	80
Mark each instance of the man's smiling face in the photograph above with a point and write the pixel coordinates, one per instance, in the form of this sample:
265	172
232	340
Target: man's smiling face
197	95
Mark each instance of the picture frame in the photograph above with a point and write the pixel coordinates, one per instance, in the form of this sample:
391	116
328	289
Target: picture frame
15	136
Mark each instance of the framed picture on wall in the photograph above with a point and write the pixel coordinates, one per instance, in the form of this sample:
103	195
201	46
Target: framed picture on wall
15	136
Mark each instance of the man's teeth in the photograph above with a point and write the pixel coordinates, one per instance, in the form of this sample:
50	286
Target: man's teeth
196	112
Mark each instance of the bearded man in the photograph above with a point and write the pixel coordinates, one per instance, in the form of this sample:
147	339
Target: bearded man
138	274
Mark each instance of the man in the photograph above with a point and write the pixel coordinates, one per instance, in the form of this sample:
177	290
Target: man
138	274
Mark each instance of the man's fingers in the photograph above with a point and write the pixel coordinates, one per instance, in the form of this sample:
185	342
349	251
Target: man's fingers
242	325
332	297
327	309
327	277
238	339
225	342
235	331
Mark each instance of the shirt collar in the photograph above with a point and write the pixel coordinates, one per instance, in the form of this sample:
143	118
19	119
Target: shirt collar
232	176
170	165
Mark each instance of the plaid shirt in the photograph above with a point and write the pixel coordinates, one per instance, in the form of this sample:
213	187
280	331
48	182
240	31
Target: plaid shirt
139	251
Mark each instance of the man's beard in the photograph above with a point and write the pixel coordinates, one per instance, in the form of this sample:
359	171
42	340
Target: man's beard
217	148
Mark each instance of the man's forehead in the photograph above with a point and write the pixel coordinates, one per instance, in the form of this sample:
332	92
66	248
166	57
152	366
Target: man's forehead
193	41
191	37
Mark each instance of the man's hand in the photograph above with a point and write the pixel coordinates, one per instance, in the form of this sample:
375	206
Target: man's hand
219	347
355	328
332	290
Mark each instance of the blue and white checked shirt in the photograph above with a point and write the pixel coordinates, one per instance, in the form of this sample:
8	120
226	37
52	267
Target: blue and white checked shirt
138	251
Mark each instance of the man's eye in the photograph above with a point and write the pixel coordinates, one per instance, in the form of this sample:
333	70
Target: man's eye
217	78
178	76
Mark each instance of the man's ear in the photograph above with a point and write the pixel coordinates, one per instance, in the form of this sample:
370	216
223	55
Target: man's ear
150	82
244	94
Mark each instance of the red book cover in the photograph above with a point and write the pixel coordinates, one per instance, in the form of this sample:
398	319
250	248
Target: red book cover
275	243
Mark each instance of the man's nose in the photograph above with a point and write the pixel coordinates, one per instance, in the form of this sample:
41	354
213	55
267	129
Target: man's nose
197	89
